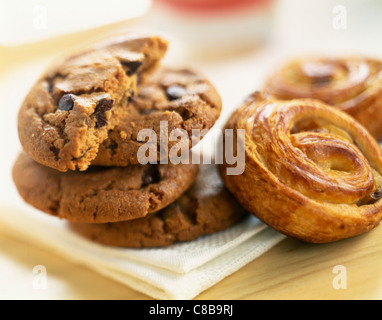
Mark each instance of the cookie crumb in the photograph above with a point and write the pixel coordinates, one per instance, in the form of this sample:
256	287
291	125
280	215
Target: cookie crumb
108	115
123	134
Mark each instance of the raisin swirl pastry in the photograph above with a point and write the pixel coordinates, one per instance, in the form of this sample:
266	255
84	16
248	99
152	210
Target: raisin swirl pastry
353	85
311	171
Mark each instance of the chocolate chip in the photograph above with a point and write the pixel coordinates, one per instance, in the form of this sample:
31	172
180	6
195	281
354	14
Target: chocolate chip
175	92
50	87
55	151
101	120
131	66
66	103
324	81
150	175
96	169
113	146
131	96
131	99
51	82
146	111
102	106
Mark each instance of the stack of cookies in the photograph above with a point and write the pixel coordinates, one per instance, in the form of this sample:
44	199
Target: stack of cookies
92	130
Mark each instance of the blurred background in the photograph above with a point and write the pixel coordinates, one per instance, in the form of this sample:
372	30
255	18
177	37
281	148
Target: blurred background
235	43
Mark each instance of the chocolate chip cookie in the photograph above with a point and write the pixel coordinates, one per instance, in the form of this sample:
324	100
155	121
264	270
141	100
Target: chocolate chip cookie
101	195
71	109
181	98
207	207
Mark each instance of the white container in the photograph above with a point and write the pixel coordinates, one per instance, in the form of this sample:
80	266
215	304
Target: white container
28	21
215	27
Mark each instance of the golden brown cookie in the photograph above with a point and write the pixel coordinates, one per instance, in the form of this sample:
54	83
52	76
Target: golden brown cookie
182	98
207	207
311	171
101	195
70	110
352	84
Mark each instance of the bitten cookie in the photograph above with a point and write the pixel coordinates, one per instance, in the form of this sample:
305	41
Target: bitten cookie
207	207
70	110
181	98
101	195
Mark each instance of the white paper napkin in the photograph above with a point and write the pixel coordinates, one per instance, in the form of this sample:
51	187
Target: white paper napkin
181	271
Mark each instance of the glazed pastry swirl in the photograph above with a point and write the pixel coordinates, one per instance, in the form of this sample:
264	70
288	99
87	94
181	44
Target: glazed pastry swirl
311	171
353	85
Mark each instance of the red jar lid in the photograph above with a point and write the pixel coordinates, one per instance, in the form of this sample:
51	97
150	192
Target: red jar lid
212	6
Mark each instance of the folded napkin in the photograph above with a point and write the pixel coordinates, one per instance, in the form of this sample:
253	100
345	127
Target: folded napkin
181	271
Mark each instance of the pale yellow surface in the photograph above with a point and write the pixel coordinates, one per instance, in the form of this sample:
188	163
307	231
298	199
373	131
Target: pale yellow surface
291	270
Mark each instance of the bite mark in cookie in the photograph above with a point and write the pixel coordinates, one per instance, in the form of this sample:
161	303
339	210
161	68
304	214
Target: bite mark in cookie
70	110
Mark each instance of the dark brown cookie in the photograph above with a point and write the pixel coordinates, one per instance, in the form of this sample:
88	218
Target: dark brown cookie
181	98
207	207
70	110
101	195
